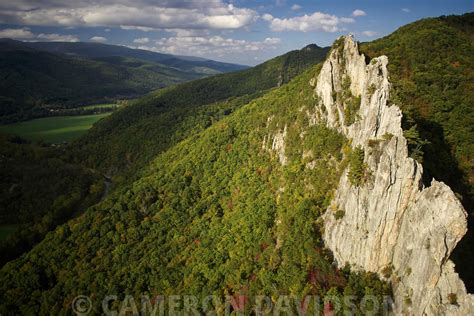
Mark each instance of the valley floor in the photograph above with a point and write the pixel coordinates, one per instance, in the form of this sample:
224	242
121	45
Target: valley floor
56	129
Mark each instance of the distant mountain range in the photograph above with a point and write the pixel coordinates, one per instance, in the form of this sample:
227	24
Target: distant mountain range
40	75
104	51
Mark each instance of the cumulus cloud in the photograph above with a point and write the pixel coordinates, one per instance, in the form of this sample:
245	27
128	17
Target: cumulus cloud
271	40
369	33
210	45
57	38
142	40
406	10
138	28
23	33
267	17
146	14
98	39
26	34
358	12
317	21
184	32
346	20
296	7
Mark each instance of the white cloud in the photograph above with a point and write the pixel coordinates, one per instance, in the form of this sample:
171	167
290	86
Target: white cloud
317	21
58	38
98	39
137	28
26	34
267	17
296	7
143	14
23	33
346	20
369	33
358	12
272	40
184	32
142	40
205	46
406	10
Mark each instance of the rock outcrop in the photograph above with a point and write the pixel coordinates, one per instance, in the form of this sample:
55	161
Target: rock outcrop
275	143
393	225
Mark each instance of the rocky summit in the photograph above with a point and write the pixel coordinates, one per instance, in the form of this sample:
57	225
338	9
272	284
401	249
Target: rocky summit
392	223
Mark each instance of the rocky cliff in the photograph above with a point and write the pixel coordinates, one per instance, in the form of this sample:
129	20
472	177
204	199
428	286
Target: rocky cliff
392	223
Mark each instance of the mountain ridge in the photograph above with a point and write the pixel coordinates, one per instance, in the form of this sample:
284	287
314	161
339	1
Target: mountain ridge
35	80
193	105
97	50
158	122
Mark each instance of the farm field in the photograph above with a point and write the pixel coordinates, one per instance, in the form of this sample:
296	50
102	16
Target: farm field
100	106
53	129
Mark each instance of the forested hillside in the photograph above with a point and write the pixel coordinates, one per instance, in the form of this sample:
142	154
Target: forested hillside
99	50
131	137
185	110
38	192
34	81
210	215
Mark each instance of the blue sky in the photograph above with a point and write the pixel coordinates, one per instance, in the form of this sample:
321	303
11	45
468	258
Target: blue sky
239	31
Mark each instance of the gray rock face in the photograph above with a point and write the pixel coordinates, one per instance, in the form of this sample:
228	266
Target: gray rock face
275	143
392	225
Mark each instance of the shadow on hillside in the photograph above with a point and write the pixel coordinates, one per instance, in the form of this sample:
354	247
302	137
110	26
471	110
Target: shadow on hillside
463	257
439	163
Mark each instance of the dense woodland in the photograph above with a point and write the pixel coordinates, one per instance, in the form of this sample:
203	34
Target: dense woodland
116	54
198	195
35	80
142	130
39	192
125	142
226	234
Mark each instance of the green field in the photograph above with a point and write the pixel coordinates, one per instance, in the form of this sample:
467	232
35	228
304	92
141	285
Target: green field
100	106
53	129
7	230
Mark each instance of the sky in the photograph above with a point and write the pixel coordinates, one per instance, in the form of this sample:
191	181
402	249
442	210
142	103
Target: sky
237	31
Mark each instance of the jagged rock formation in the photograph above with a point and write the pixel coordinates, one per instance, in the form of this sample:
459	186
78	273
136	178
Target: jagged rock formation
392	225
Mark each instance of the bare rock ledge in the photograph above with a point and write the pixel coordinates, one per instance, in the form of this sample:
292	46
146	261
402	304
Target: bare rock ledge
392	222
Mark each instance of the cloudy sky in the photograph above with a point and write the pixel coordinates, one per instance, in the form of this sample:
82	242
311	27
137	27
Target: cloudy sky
238	31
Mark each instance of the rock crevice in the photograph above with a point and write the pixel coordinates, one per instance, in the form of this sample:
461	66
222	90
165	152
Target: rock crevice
392	220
